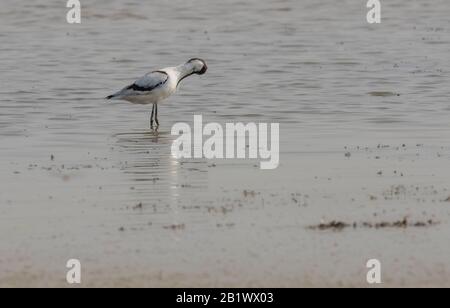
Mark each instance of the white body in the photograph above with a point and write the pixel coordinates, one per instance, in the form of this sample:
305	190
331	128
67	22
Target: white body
156	86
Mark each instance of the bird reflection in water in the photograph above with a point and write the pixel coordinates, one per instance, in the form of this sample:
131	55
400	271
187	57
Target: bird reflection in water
160	182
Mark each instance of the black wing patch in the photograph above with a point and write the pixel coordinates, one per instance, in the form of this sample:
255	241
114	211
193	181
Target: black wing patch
150	86
135	87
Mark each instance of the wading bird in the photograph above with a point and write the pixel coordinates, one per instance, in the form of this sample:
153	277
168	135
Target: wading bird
155	86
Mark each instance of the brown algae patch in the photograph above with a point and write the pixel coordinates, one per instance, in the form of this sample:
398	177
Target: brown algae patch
340	225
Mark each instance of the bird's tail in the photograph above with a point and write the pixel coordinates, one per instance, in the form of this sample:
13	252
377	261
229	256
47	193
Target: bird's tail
110	97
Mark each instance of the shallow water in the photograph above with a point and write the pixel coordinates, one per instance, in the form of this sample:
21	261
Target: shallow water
363	112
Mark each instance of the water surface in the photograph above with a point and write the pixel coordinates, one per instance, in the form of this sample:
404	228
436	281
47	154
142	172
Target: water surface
363	111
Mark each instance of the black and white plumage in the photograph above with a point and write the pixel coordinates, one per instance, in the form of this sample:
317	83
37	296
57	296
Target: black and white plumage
156	86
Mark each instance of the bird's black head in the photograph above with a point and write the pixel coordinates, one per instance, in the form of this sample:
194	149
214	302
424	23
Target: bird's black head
200	66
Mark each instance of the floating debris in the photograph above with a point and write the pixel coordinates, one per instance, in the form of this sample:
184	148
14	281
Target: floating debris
249	193
138	206
175	227
333	225
383	93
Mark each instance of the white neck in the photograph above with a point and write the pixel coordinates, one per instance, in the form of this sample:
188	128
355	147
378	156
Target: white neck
184	70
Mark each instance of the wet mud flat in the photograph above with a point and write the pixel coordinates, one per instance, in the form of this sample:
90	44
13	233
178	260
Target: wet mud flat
204	228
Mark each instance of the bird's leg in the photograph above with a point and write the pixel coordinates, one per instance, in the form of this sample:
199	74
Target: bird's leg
151	117
156	115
